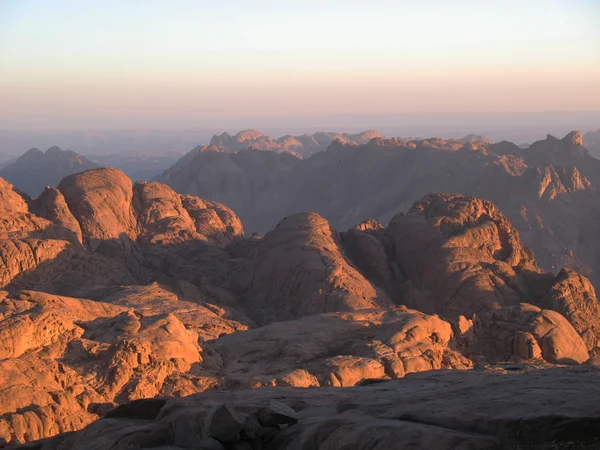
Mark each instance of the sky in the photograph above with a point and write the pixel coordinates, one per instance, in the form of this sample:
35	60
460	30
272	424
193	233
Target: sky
135	63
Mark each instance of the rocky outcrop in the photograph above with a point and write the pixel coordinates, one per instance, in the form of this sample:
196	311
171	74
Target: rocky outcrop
62	359
339	349
471	243
528	332
52	205
298	269
10	199
575	298
554	409
547	190
117	292
124	229
100	200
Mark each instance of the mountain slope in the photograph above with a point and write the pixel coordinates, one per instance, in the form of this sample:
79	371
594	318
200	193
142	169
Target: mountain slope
114	291
548	190
34	170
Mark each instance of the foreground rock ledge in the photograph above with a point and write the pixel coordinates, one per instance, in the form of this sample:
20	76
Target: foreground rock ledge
502	409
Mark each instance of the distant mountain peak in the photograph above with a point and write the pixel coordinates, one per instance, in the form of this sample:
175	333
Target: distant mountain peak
54	150
469	138
573	139
246	135
32	153
34	170
301	146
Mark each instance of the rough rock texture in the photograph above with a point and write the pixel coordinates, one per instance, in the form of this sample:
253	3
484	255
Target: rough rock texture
35	170
62	359
575	298
100	200
52	205
124	229
555	408
459	255
10	199
298	269
116	292
339	349
528	332
167	217
548	190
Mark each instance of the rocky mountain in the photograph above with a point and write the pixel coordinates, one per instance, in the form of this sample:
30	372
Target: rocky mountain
591	141
114	292
548	190
301	146
34	170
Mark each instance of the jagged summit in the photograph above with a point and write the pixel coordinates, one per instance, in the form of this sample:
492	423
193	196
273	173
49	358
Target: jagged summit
301	146
573	139
544	189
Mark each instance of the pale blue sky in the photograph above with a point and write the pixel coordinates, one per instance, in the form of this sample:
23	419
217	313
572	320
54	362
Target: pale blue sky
79	62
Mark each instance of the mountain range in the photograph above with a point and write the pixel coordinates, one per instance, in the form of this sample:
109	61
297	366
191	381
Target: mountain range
35	169
548	190
118	298
300	146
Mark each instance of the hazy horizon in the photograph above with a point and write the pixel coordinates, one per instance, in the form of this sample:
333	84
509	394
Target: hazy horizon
518	128
77	65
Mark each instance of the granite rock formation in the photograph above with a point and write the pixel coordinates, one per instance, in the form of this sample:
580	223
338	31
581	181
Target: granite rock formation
547	190
114	292
537	410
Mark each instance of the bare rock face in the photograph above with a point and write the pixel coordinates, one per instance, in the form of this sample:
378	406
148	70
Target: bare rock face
162	216
100	200
118	292
36	253
547	190
574	297
298	270
208	320
129	235
555	408
67	357
10	200
471	243
218	223
27	241
528	332
339	349
52	205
